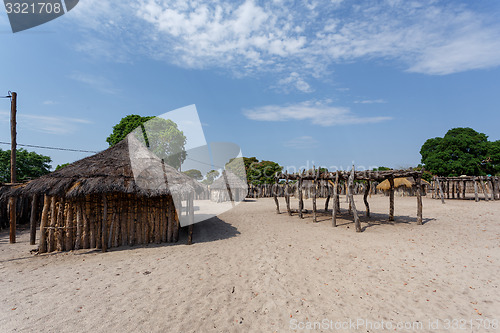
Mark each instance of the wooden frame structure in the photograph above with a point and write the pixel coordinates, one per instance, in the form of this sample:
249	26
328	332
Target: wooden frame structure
345	178
458	187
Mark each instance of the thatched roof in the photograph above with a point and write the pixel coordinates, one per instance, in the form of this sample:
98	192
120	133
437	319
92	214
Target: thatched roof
234	181
398	182
127	167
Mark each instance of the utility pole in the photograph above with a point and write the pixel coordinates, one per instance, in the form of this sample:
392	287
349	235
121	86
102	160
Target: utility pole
13	133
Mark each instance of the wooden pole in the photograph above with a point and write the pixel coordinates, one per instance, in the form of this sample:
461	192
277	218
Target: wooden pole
301	201
34	209
287	195
104	233
78	240
60	226
476	196
391	199
69	244
12	203
440	189
191	219
365	197
53	217
335	200
13	133
351	201
464	188
486	198
42	248
315	190
275	194
418	182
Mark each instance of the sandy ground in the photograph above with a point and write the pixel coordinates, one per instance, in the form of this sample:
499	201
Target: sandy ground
251	270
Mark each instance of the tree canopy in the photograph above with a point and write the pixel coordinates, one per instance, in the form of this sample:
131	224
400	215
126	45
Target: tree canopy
257	172
210	177
29	165
462	151
162	136
193	173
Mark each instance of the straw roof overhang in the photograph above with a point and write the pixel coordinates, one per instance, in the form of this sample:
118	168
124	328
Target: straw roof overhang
111	171
358	175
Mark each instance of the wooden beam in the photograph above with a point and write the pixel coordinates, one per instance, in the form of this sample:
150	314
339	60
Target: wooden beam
301	201
104	223
418	182
441	194
365	198
476	196
335	200
42	247
352	203
287	195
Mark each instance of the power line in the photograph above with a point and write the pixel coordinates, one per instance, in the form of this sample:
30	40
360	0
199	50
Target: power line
53	148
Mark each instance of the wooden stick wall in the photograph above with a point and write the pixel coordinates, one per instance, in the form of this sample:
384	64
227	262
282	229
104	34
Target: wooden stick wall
108	220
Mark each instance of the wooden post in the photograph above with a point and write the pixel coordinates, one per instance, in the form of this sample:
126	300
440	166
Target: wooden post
464	188
42	248
13	143
170	219
486	198
365	197
78	240
34	209
476	196
104	232
275	194
351	201
191	218
391	199
453	189
53	218
12	203
301	202
315	190
418	182
287	195
69	228
440	189
60	226
335	200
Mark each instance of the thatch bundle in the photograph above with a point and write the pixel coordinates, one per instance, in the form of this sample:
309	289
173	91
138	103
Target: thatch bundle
398	182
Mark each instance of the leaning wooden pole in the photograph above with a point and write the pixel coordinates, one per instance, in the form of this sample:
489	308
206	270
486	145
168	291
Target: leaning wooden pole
481	182
12	203
476	196
440	190
287	195
34	209
351	201
391	199
275	193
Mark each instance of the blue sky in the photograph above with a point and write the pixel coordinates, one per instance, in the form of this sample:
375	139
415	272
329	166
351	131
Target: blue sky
306	82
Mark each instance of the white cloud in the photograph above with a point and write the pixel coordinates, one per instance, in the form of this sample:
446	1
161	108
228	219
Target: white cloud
49	102
318	113
46	124
301	142
97	82
299	42
371	101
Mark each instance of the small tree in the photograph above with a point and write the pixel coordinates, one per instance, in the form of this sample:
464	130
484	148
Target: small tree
193	173
210	177
29	165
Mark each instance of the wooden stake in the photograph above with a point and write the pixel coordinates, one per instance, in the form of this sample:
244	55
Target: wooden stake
301	201
476	196
351	201
335	200
13	143
60	226
287	195
440	190
12	203
391	199
69	230
53	217
275	196
418	182
315	189
104	232
42	248
79	227
365	198
34	209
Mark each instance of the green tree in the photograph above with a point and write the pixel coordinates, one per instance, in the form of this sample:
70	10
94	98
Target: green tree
210	177
382	168
29	165
162	136
462	151
257	172
60	166
124	127
193	173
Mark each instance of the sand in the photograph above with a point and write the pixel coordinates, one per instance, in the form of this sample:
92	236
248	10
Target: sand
251	270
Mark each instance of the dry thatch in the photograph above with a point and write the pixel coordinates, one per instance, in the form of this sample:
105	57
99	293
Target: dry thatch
235	182
398	182
112	171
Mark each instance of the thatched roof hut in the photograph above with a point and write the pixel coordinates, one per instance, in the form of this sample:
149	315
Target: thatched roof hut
407	182
122	195
219	189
